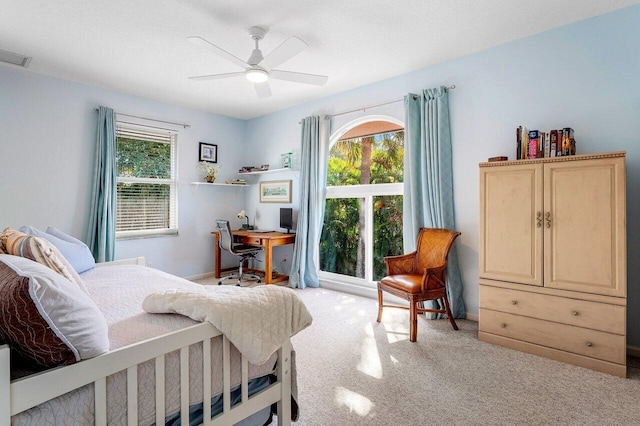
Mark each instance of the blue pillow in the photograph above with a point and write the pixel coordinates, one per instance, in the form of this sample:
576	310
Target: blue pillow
75	251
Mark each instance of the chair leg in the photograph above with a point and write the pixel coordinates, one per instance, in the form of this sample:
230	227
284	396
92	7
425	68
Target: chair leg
413	321
379	305
449	314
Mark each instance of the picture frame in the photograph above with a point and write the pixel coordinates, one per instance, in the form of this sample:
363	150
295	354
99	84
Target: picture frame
287	160
275	191
208	152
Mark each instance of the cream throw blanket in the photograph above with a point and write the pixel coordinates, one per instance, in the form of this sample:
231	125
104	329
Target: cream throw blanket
257	320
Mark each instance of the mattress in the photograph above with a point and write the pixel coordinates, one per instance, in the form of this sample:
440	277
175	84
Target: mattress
119	291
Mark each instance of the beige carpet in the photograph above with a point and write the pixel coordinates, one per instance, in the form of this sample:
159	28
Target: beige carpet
354	371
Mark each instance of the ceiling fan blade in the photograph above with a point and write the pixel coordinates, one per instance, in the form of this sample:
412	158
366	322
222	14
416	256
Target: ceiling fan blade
262	89
199	41
287	50
216	76
299	77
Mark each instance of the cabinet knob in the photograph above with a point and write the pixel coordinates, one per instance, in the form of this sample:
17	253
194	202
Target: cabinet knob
589	344
547	217
539	219
514	302
503	325
575	313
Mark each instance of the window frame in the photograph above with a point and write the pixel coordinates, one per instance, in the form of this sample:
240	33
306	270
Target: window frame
172	182
367	192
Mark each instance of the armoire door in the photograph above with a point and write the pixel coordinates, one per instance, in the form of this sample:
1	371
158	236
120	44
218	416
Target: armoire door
585	231
511	223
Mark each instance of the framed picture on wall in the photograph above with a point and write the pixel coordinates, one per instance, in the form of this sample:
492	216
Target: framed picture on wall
275	191
208	152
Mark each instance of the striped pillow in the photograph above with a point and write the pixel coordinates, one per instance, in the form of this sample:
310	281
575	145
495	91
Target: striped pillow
20	244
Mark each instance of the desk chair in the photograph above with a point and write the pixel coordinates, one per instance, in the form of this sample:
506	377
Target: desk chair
243	251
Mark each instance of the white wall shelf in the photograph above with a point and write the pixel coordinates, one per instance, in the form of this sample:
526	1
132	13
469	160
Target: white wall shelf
261	172
196	185
217	184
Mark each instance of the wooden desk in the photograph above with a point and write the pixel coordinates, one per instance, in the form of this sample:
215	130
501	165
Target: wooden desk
268	240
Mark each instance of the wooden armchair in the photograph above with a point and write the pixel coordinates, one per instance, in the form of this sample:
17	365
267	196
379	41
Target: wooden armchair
420	276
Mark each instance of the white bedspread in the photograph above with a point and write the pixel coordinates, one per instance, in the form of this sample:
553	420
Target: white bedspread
256	320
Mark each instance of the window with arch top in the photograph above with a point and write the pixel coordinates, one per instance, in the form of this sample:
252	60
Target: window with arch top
363	211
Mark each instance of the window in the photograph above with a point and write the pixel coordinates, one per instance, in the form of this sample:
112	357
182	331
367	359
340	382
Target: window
363	211
146	182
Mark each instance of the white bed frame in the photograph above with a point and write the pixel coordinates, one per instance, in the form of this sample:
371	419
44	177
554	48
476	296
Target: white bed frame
25	393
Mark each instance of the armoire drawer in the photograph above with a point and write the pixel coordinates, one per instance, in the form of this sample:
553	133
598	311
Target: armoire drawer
591	343
581	313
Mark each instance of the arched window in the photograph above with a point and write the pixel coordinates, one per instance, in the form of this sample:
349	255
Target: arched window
363	212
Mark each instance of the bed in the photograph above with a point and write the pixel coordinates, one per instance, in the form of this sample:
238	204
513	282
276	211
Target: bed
158	370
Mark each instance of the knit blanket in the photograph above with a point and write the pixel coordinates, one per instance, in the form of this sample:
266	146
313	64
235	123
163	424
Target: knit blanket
257	320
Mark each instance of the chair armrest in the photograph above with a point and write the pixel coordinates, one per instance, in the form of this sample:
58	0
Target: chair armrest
402	264
431	278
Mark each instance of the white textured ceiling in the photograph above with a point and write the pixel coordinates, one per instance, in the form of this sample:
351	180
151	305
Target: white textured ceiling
140	46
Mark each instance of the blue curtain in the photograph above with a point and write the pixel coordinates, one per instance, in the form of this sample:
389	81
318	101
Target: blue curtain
428	180
101	235
313	185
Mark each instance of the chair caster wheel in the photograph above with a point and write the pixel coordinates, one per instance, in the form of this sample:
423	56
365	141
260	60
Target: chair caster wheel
238	285
219	282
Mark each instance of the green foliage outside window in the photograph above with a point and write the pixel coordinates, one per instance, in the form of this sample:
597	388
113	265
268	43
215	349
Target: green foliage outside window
143	159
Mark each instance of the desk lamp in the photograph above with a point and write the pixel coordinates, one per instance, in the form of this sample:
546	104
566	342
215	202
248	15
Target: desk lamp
243	215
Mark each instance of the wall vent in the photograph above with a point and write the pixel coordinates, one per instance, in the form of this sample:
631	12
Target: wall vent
14	58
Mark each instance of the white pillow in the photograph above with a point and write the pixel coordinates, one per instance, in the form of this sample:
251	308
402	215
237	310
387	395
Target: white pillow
53	305
75	251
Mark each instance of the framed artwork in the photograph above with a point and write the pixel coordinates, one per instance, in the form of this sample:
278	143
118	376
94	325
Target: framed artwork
287	160
208	152
275	191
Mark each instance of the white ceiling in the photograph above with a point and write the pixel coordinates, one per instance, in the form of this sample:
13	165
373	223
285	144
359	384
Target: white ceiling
140	46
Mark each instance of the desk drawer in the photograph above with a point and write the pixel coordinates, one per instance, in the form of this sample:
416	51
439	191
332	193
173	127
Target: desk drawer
581	313
581	341
247	240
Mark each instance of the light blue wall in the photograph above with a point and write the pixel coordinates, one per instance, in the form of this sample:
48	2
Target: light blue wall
585	76
47	135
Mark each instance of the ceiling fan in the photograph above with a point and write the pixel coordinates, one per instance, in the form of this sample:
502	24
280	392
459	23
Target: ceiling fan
259	69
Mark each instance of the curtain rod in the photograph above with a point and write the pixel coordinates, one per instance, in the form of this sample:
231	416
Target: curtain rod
453	86
150	119
328	116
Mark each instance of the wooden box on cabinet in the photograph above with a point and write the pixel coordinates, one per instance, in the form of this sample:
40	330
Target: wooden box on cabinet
553	258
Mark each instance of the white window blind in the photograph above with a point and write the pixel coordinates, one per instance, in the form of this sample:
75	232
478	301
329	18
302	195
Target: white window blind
147	200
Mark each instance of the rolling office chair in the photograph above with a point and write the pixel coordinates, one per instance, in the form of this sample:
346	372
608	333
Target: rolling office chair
243	251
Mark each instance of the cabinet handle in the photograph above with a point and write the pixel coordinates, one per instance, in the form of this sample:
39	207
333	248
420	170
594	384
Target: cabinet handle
547	216
589	344
575	313
539	219
503	325
514	302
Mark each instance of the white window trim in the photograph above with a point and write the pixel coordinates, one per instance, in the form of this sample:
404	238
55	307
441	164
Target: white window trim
173	185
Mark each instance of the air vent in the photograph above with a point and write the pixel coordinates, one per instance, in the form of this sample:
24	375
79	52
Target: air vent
14	58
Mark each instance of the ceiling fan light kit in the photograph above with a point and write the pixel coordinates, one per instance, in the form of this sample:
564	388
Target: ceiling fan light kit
256	75
258	69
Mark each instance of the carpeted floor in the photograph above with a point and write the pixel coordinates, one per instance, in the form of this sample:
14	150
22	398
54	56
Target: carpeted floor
354	371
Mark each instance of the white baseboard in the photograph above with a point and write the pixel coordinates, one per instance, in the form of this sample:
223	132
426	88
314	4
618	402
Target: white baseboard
372	293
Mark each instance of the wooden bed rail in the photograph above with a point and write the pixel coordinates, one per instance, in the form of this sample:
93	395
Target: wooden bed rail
23	394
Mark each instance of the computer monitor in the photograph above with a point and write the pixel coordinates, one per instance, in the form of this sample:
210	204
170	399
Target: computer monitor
286	218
